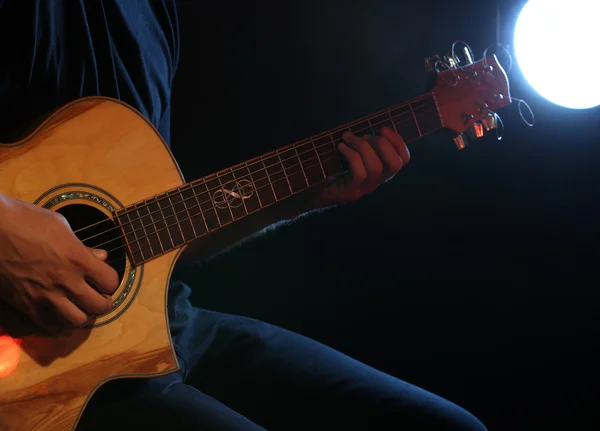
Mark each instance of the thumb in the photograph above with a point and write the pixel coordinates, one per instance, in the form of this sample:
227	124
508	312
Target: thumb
99	253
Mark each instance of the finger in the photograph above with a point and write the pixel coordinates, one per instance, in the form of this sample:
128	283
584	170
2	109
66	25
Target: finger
100	275
47	315
88	299
356	167
55	313
398	143
99	253
371	162
391	160
70	313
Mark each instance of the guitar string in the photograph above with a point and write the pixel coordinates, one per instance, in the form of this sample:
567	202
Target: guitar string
208	191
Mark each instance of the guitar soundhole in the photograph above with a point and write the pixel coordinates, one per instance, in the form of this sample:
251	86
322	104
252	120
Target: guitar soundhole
96	230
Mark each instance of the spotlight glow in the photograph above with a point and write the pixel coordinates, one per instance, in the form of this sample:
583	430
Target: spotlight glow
556	48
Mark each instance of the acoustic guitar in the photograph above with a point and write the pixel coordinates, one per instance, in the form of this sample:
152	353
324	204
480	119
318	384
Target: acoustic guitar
102	165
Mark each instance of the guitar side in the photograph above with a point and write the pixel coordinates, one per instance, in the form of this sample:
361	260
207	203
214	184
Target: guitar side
101	153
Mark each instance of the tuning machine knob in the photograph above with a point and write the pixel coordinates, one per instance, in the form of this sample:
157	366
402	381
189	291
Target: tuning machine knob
450	61
490	122
431	63
461	141
476	131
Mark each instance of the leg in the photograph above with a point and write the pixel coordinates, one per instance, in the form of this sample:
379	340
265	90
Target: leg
164	403
285	381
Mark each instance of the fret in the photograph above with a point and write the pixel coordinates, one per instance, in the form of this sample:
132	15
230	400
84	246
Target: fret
205	206
149	229
310	163
406	124
162	230
172	223
140	233
277	177
380	120
292	166
184	204
426	115
336	136
361	127
327	152
412	111
261	181
287	179
192	209
371	128
183	219
251	197
135	247
219	199
301	165
391	119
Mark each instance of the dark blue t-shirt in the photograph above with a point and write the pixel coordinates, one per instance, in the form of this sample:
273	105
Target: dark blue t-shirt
55	51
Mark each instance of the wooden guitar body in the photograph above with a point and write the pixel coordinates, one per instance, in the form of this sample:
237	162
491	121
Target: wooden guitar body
101	154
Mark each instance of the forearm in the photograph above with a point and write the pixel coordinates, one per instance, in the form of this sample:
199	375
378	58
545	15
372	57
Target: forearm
251	226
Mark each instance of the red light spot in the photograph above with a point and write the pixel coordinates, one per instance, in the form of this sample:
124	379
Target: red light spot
10	354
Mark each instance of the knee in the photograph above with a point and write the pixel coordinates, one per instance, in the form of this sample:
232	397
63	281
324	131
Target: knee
451	417
425	410
462	420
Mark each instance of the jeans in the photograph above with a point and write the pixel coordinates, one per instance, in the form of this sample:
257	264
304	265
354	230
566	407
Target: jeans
238	373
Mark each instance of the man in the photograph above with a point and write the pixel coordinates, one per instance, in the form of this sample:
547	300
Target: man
237	373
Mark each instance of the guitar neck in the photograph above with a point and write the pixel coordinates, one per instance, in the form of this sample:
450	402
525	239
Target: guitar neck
172	219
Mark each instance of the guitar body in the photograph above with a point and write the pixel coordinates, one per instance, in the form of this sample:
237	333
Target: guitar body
101	155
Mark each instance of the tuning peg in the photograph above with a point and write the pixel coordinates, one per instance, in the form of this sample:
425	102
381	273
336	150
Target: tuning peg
468	57
430	63
450	61
476	131
461	141
489	122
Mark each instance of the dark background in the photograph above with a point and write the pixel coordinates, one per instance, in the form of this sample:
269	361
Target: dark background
472	274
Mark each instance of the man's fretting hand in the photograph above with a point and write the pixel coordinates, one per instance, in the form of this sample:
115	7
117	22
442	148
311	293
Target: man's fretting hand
372	160
46	272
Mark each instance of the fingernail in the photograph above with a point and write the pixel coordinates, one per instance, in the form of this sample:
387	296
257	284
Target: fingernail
98	253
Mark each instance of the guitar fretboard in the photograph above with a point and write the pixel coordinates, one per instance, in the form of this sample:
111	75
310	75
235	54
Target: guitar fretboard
168	221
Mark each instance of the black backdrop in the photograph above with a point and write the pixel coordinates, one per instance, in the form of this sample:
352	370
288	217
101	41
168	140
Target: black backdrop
472	274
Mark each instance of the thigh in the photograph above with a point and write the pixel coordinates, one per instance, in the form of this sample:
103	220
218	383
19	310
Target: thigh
286	381
163	403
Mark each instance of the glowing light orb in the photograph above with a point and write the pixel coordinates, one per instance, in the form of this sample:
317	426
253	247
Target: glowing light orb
10	354
556	48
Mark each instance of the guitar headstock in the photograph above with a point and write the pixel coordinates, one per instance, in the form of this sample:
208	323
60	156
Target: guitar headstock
469	96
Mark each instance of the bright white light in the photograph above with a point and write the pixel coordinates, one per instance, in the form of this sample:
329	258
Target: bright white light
556	45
